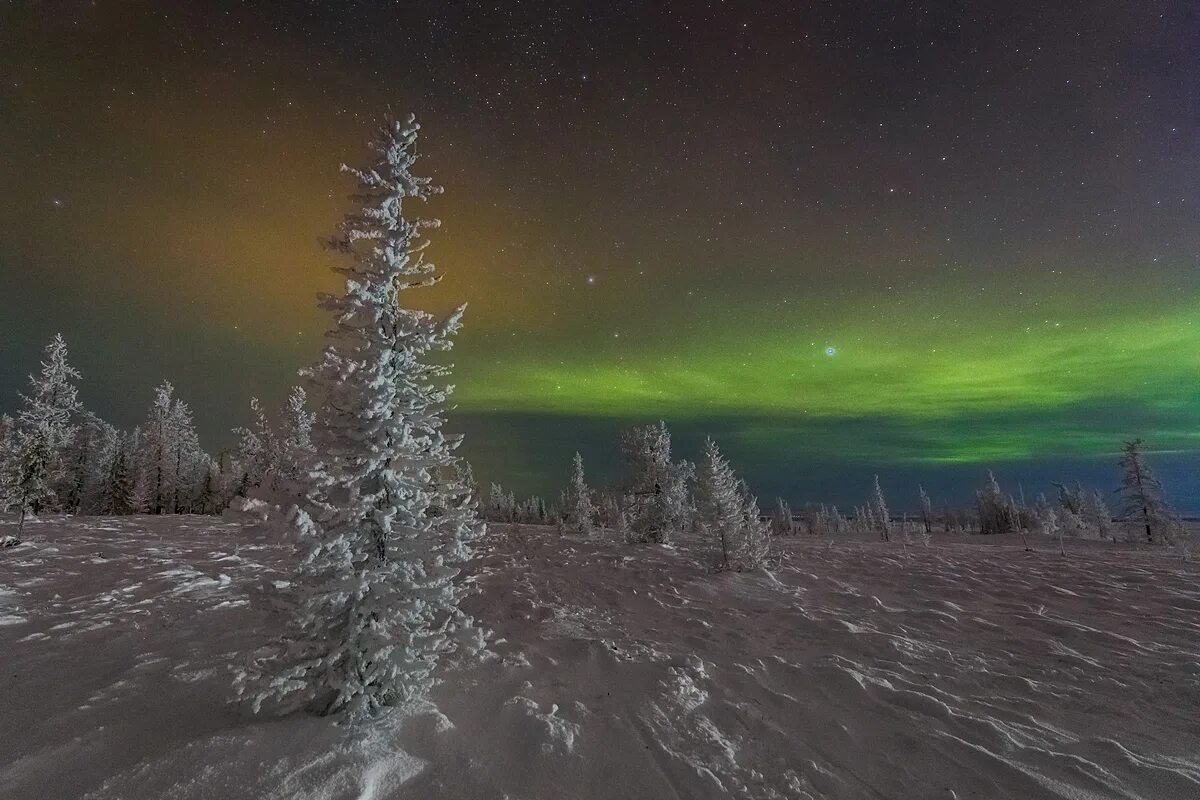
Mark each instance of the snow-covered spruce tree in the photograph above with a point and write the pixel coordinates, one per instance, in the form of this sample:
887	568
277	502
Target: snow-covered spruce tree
1073	500
104	442
231	476
1071	497
578	512
621	528
171	465
82	460
880	516
532	511
1097	517
1143	502
656	497
926	510
117	496
997	511
827	520
500	506
154	456
756	535
727	515
191	462
815	520
42	432
466	476
295	438
8	449
608	510
270	462
526	511
257	456
1046	521
209	496
379	581
719	506
836	520
782	522
1072	524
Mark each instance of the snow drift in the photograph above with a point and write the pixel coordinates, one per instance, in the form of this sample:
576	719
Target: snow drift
970	669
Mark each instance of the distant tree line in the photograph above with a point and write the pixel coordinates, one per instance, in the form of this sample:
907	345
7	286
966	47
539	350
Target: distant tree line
658	499
58	456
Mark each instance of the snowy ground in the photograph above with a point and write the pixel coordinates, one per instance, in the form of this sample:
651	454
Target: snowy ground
968	670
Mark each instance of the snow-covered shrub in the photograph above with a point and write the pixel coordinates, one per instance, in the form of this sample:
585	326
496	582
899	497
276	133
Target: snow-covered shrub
578	512
270	461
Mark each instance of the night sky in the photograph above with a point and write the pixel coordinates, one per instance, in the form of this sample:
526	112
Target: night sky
918	239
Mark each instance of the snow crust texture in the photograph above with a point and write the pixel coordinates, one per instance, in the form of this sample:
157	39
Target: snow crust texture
969	669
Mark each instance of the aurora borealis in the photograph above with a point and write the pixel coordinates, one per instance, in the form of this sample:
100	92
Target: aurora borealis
918	239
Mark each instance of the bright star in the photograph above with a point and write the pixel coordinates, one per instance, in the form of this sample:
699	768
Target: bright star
830	351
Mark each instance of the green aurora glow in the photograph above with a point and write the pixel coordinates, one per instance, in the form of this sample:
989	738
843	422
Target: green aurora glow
990	215
974	374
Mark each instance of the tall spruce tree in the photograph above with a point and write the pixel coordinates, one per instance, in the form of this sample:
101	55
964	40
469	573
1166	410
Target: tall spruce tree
155	459
83	459
171	464
189	464
1143	501
379	581
782	522
881	518
1097	516
926	510
117	497
42	432
719	505
728	515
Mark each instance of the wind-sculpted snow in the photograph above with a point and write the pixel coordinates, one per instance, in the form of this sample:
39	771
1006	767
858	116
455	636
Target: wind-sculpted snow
970	669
